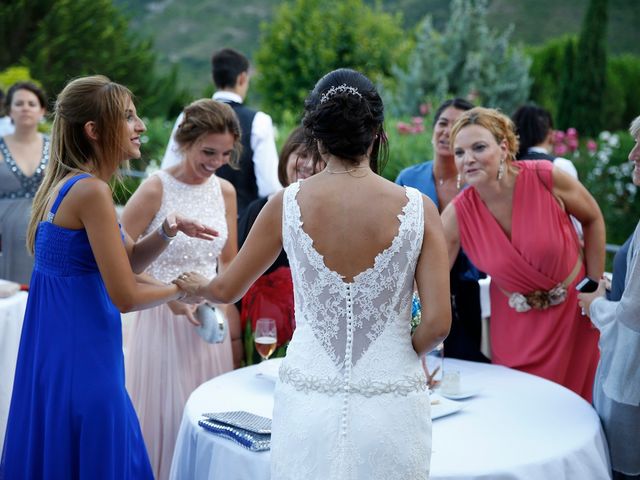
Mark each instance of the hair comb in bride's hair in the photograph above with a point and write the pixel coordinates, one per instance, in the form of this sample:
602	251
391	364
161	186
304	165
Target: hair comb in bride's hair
344	88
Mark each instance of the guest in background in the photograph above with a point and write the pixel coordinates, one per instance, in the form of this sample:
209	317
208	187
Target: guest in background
616	393
619	272
70	414
23	157
166	359
351	391
257	172
6	125
534	127
272	294
437	179
513	223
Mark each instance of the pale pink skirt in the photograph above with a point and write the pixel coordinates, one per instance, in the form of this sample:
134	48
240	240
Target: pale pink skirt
165	360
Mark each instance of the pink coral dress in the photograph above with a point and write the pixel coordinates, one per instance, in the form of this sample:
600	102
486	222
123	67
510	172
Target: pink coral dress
165	359
557	343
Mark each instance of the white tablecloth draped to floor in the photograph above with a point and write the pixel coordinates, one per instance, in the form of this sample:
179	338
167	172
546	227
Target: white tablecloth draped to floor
11	316
518	427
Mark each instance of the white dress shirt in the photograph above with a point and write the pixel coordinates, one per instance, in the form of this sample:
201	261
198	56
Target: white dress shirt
265	154
6	126
619	326
563	164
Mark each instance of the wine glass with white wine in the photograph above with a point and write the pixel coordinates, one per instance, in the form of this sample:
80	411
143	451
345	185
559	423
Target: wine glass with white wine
266	337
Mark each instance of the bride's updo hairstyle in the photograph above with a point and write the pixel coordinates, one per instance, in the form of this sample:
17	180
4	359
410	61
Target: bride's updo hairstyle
344	117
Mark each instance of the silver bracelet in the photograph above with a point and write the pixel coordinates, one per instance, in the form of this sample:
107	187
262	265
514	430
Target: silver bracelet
164	235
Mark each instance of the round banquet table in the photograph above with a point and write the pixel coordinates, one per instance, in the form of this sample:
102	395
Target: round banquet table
517	427
11	317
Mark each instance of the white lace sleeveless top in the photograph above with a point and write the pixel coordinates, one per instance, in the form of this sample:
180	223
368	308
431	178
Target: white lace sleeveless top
353	337
203	202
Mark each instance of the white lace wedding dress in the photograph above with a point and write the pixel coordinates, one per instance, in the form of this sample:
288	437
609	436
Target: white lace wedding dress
351	401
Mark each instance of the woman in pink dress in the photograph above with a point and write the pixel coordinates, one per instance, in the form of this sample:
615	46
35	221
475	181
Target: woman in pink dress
165	358
514	224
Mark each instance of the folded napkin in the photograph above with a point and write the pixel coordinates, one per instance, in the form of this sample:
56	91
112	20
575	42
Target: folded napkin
248	430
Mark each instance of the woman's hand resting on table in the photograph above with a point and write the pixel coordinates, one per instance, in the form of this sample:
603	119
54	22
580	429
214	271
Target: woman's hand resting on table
585	299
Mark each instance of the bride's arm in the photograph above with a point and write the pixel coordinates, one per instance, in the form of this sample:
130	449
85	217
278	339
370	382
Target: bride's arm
259	251
432	278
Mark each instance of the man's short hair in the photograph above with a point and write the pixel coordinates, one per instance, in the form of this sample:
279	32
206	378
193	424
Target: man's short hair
226	65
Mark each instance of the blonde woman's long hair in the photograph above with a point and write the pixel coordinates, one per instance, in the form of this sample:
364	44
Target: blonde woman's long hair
87	99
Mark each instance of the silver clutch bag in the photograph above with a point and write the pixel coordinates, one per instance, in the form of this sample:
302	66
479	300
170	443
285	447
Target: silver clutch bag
213	324
246	429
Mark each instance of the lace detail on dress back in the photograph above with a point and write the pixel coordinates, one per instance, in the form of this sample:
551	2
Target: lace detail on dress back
347	318
203	202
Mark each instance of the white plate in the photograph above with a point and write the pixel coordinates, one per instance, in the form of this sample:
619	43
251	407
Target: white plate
441	407
466	393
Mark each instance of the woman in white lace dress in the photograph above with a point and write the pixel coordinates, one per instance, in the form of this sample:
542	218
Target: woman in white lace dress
351	401
165	358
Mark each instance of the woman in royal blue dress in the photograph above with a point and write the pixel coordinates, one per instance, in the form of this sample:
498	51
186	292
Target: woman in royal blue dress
70	415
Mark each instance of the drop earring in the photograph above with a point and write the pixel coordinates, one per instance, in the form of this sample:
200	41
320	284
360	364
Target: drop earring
458	181
501	169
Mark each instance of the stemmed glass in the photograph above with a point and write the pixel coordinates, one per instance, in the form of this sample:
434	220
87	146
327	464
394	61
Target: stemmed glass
266	337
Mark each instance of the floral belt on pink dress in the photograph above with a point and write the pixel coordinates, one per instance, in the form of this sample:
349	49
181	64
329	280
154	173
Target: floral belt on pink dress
542	299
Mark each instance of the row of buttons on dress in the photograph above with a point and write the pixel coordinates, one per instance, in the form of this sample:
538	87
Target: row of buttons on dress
347	361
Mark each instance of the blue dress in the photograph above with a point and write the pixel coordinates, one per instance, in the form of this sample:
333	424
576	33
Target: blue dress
70	415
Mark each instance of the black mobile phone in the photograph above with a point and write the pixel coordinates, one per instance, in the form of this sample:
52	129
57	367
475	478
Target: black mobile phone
586	285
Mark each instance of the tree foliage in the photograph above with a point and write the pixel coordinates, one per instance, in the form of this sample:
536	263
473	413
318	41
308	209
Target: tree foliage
548	65
14	74
589	73
308	38
466	59
566	95
58	40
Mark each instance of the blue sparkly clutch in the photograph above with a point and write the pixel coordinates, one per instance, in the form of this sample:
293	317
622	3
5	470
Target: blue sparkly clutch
252	432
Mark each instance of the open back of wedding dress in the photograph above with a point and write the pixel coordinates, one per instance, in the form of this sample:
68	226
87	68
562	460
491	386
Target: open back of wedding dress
351	400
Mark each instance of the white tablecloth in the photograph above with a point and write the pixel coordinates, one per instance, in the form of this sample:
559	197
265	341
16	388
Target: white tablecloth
11	316
519	427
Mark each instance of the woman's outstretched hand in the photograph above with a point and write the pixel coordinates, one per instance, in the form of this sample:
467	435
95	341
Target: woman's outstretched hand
189	226
179	308
191	283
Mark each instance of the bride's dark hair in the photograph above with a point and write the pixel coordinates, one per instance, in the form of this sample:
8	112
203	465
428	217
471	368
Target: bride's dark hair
344	116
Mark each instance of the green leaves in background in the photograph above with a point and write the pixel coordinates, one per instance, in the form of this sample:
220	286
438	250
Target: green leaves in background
309	38
63	39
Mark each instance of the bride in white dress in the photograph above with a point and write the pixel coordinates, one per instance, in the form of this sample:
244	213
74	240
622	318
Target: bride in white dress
351	401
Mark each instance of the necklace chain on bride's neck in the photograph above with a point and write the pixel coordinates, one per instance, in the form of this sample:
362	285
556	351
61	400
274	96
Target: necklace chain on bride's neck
348	170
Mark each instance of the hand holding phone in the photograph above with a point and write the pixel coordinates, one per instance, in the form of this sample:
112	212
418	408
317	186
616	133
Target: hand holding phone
586	285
